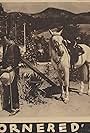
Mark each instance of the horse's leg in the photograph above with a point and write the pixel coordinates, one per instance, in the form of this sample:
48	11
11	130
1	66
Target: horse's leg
82	71
61	83
81	88
67	84
88	79
63	92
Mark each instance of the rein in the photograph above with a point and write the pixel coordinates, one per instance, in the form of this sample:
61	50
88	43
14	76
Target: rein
57	62
59	52
56	48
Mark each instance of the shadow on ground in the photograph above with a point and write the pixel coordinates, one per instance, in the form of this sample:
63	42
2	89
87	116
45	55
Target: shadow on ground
50	91
53	90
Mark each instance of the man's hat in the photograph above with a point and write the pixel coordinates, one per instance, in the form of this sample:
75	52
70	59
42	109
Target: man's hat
7	78
12	42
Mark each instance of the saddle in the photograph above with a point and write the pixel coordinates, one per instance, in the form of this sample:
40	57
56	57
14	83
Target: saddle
74	51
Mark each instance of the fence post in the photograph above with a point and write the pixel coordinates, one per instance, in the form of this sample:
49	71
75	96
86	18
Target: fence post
24	37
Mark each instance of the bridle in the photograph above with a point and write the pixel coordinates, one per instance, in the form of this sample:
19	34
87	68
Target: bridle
56	46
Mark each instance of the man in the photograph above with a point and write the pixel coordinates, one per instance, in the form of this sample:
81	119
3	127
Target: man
70	34
11	58
1	9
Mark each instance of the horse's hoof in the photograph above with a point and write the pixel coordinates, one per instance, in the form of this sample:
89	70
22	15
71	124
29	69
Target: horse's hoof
88	93
80	93
66	100
58	98
63	96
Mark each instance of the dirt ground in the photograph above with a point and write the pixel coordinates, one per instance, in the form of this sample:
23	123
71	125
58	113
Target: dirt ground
78	106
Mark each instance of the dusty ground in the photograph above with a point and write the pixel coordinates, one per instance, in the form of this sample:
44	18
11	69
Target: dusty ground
78	106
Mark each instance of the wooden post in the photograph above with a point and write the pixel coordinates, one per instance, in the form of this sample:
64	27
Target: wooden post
24	37
6	28
37	71
15	32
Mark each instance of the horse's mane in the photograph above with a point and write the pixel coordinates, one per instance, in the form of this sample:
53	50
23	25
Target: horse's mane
66	50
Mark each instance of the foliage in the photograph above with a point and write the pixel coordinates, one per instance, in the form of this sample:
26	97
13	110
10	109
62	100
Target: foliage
30	91
37	49
71	32
84	38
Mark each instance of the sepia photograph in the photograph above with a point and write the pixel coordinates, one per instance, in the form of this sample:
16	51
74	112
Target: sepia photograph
45	60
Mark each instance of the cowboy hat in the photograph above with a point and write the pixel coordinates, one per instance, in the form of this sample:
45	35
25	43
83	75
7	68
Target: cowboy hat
7	78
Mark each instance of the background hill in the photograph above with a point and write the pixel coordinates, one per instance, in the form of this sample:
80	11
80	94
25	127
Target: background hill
21	26
13	23
49	18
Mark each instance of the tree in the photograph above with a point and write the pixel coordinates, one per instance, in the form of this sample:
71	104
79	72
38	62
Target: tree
71	32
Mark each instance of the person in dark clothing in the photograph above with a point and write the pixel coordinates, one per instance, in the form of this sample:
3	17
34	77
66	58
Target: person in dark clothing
1	9
11	58
70	34
74	50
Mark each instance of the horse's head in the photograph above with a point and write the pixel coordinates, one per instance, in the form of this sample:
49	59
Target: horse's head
57	41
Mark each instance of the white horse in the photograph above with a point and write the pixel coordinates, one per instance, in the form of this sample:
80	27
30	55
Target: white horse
60	59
